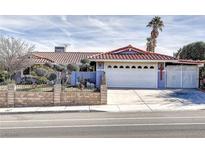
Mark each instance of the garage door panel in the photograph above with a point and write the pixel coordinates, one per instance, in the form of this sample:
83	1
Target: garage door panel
131	78
182	77
173	77
189	77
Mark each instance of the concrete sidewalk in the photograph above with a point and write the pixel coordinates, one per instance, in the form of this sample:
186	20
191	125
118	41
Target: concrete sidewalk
103	108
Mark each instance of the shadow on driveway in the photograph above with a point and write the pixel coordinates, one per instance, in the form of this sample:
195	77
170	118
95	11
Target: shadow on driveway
186	95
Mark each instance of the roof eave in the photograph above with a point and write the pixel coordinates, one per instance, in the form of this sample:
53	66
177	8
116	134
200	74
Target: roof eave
121	60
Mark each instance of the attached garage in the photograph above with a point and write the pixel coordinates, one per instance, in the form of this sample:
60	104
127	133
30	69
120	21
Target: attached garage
131	67
133	76
182	76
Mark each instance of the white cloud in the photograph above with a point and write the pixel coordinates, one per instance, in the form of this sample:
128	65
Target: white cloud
10	30
103	32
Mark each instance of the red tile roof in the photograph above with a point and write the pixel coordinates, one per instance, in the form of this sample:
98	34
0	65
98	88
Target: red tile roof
40	60
61	58
131	53
185	61
124	53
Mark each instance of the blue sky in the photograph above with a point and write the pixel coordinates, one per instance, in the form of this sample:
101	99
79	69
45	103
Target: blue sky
102	33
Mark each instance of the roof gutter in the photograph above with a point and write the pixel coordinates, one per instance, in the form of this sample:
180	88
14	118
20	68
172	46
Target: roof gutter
120	60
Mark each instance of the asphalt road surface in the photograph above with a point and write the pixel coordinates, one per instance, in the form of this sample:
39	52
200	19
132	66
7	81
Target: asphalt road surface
102	124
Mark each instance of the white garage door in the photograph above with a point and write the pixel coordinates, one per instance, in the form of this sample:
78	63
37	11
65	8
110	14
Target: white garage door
182	76
132	77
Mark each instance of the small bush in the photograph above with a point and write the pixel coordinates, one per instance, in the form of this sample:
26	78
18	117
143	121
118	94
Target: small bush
73	67
58	67
42	80
40	72
52	76
33	73
85	67
4	76
85	61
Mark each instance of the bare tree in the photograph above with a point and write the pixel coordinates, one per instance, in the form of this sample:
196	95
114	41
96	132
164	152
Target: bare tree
14	54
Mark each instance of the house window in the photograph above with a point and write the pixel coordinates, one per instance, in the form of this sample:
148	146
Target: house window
145	67
133	67
139	67
109	66
121	66
151	67
127	67
115	66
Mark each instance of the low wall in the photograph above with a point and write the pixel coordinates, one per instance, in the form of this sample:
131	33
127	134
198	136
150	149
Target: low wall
82	97
13	98
3	98
33	99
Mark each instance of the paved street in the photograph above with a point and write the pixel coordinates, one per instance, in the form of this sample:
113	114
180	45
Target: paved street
102	124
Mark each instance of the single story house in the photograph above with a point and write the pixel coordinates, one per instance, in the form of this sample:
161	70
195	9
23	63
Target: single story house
131	67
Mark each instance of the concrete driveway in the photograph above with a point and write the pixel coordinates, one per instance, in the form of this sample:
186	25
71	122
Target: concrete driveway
155	100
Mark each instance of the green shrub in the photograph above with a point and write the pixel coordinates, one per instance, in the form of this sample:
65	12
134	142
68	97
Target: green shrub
73	67
85	67
4	76
52	76
85	61
42	80
59	67
10	81
40	72
33	73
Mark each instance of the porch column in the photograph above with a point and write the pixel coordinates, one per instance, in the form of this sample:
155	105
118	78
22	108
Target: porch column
103	90
11	95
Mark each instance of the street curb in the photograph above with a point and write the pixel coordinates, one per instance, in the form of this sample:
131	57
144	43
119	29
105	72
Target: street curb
91	111
33	112
43	110
85	109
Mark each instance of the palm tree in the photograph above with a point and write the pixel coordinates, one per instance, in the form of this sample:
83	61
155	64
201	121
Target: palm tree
149	44
156	24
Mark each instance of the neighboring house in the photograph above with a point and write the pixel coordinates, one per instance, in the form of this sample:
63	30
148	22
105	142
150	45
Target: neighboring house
130	67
